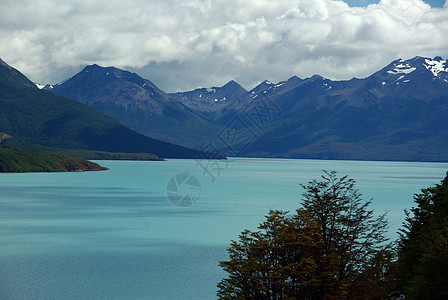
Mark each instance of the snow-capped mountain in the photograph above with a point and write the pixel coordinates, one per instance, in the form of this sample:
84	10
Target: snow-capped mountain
413	73
397	113
438	67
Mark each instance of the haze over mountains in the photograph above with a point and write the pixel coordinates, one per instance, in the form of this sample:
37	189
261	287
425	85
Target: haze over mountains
397	113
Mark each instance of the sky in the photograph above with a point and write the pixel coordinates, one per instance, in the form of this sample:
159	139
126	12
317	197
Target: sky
181	45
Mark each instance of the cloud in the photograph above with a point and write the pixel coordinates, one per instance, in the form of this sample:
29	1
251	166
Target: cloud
184	44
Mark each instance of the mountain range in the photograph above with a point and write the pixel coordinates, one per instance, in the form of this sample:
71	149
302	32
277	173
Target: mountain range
40	117
397	113
138	104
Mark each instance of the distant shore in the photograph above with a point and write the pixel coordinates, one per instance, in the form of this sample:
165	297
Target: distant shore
20	161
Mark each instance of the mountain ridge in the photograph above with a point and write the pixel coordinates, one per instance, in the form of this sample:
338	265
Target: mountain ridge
395	113
45	118
138	104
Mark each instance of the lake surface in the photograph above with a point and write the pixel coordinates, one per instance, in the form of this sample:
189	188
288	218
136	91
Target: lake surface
115	234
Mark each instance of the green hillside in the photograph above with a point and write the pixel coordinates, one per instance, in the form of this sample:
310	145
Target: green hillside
12	142
42	117
19	161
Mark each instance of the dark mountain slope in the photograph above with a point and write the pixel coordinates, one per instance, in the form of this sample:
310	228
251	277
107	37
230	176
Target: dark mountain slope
14	143
45	118
398	113
138	104
208	101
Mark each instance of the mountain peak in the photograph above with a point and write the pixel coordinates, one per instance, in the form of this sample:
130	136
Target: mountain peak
316	77
402	66
232	84
96	73
418	66
97	84
92	67
293	78
98	68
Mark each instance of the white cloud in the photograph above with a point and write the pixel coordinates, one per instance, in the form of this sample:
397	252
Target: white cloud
186	44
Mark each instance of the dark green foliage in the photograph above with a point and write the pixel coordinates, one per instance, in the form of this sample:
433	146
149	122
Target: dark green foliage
276	262
423	249
80	153
333	248
378	277
351	235
18	161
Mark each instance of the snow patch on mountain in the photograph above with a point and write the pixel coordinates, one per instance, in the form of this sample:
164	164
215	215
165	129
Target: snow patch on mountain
402	68
435	66
280	84
44	86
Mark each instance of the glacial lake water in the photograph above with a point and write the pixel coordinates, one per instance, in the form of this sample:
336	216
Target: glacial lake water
116	235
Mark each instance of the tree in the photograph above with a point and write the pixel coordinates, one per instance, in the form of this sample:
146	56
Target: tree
378	277
276	262
423	246
351	235
323	251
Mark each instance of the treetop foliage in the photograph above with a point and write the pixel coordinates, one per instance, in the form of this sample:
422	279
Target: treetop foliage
323	250
423	245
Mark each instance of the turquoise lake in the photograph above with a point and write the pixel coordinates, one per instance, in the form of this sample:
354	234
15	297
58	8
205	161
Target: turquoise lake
115	235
